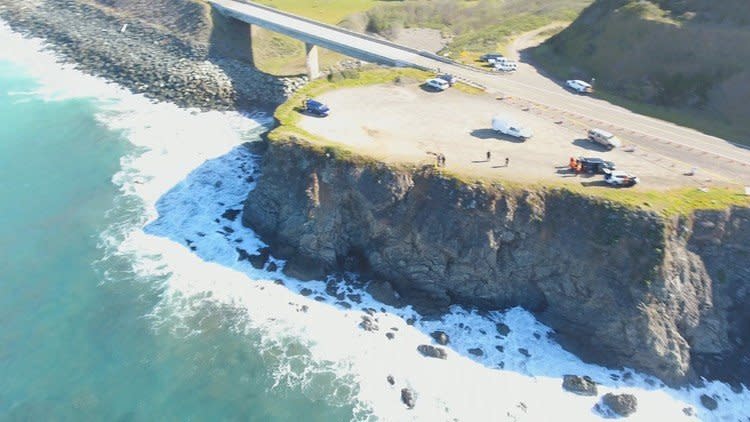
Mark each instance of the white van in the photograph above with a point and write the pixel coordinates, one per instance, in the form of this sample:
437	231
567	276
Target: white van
605	138
510	128
506	66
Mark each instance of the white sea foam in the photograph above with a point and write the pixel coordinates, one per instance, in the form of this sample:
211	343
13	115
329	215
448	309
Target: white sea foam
189	169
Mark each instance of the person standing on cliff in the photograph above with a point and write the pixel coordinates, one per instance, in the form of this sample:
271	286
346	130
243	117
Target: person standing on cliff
507	161
489	155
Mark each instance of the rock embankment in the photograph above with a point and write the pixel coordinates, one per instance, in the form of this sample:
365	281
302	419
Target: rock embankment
191	64
621	286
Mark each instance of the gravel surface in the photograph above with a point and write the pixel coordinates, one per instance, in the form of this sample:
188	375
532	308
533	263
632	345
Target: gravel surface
409	124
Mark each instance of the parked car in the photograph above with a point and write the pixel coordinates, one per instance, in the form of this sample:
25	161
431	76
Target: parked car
506	66
316	108
438	84
620	178
579	86
510	128
591	165
605	138
490	56
447	77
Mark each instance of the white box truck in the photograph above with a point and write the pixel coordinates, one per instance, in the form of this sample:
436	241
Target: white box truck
510	128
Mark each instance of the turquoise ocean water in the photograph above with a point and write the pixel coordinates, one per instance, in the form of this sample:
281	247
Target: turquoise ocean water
125	295
78	341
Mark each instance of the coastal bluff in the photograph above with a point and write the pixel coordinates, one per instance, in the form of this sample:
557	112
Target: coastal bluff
620	285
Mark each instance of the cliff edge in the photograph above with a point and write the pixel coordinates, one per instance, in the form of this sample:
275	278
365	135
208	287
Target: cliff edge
621	286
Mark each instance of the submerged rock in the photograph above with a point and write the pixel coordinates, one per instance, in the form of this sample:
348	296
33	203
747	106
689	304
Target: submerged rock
231	215
368	324
620	404
432	351
583	386
709	402
502	329
440	337
408	397
476	351
260	259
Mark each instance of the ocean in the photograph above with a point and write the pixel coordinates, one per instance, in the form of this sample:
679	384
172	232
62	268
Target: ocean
124	298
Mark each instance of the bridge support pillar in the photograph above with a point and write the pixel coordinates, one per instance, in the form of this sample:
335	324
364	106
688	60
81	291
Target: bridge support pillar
313	69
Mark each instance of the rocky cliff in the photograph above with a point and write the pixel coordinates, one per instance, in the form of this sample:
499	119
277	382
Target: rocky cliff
620	286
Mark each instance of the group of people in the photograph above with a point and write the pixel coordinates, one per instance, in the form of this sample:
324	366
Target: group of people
441	159
489	157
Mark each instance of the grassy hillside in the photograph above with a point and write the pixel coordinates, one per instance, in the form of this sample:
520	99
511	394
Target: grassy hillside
686	60
479	26
474	26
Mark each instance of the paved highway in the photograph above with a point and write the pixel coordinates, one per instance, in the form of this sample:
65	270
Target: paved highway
727	161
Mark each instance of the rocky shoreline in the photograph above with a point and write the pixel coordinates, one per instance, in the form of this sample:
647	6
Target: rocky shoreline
620	286
148	57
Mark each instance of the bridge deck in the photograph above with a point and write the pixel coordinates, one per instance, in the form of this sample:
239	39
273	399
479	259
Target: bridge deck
335	39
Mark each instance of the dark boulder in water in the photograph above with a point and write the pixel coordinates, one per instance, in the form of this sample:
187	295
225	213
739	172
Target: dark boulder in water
620	404
709	402
583	386
408	397
432	351
440	337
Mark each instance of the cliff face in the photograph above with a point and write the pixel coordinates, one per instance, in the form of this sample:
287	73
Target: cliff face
621	287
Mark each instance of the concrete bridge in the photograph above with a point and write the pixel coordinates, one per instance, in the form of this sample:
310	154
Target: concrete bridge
315	34
527	85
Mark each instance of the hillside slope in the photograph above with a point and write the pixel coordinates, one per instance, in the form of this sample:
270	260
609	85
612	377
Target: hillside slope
686	55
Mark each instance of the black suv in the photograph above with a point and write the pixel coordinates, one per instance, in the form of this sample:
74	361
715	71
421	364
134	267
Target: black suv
595	165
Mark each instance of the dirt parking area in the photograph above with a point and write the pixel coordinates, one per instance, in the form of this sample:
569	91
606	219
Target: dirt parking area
410	124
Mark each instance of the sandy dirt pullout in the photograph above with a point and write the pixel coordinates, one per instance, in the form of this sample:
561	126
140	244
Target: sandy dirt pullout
421	38
409	124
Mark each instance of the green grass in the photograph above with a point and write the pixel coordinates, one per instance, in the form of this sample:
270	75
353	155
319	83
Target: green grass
682	201
679	61
281	55
329	11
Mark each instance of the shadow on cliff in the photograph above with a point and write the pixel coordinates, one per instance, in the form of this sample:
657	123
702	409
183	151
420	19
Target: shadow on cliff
230	48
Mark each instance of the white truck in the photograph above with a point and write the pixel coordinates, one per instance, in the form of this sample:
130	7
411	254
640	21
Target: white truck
510	128
604	138
506	66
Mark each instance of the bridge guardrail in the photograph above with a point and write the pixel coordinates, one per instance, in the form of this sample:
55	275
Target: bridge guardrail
332	27
422	53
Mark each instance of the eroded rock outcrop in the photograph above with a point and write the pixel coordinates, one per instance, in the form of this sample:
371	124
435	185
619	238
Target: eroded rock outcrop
621	286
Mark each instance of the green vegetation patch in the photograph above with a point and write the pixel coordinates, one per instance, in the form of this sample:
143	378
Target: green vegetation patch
485	25
682	201
682	61
329	11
